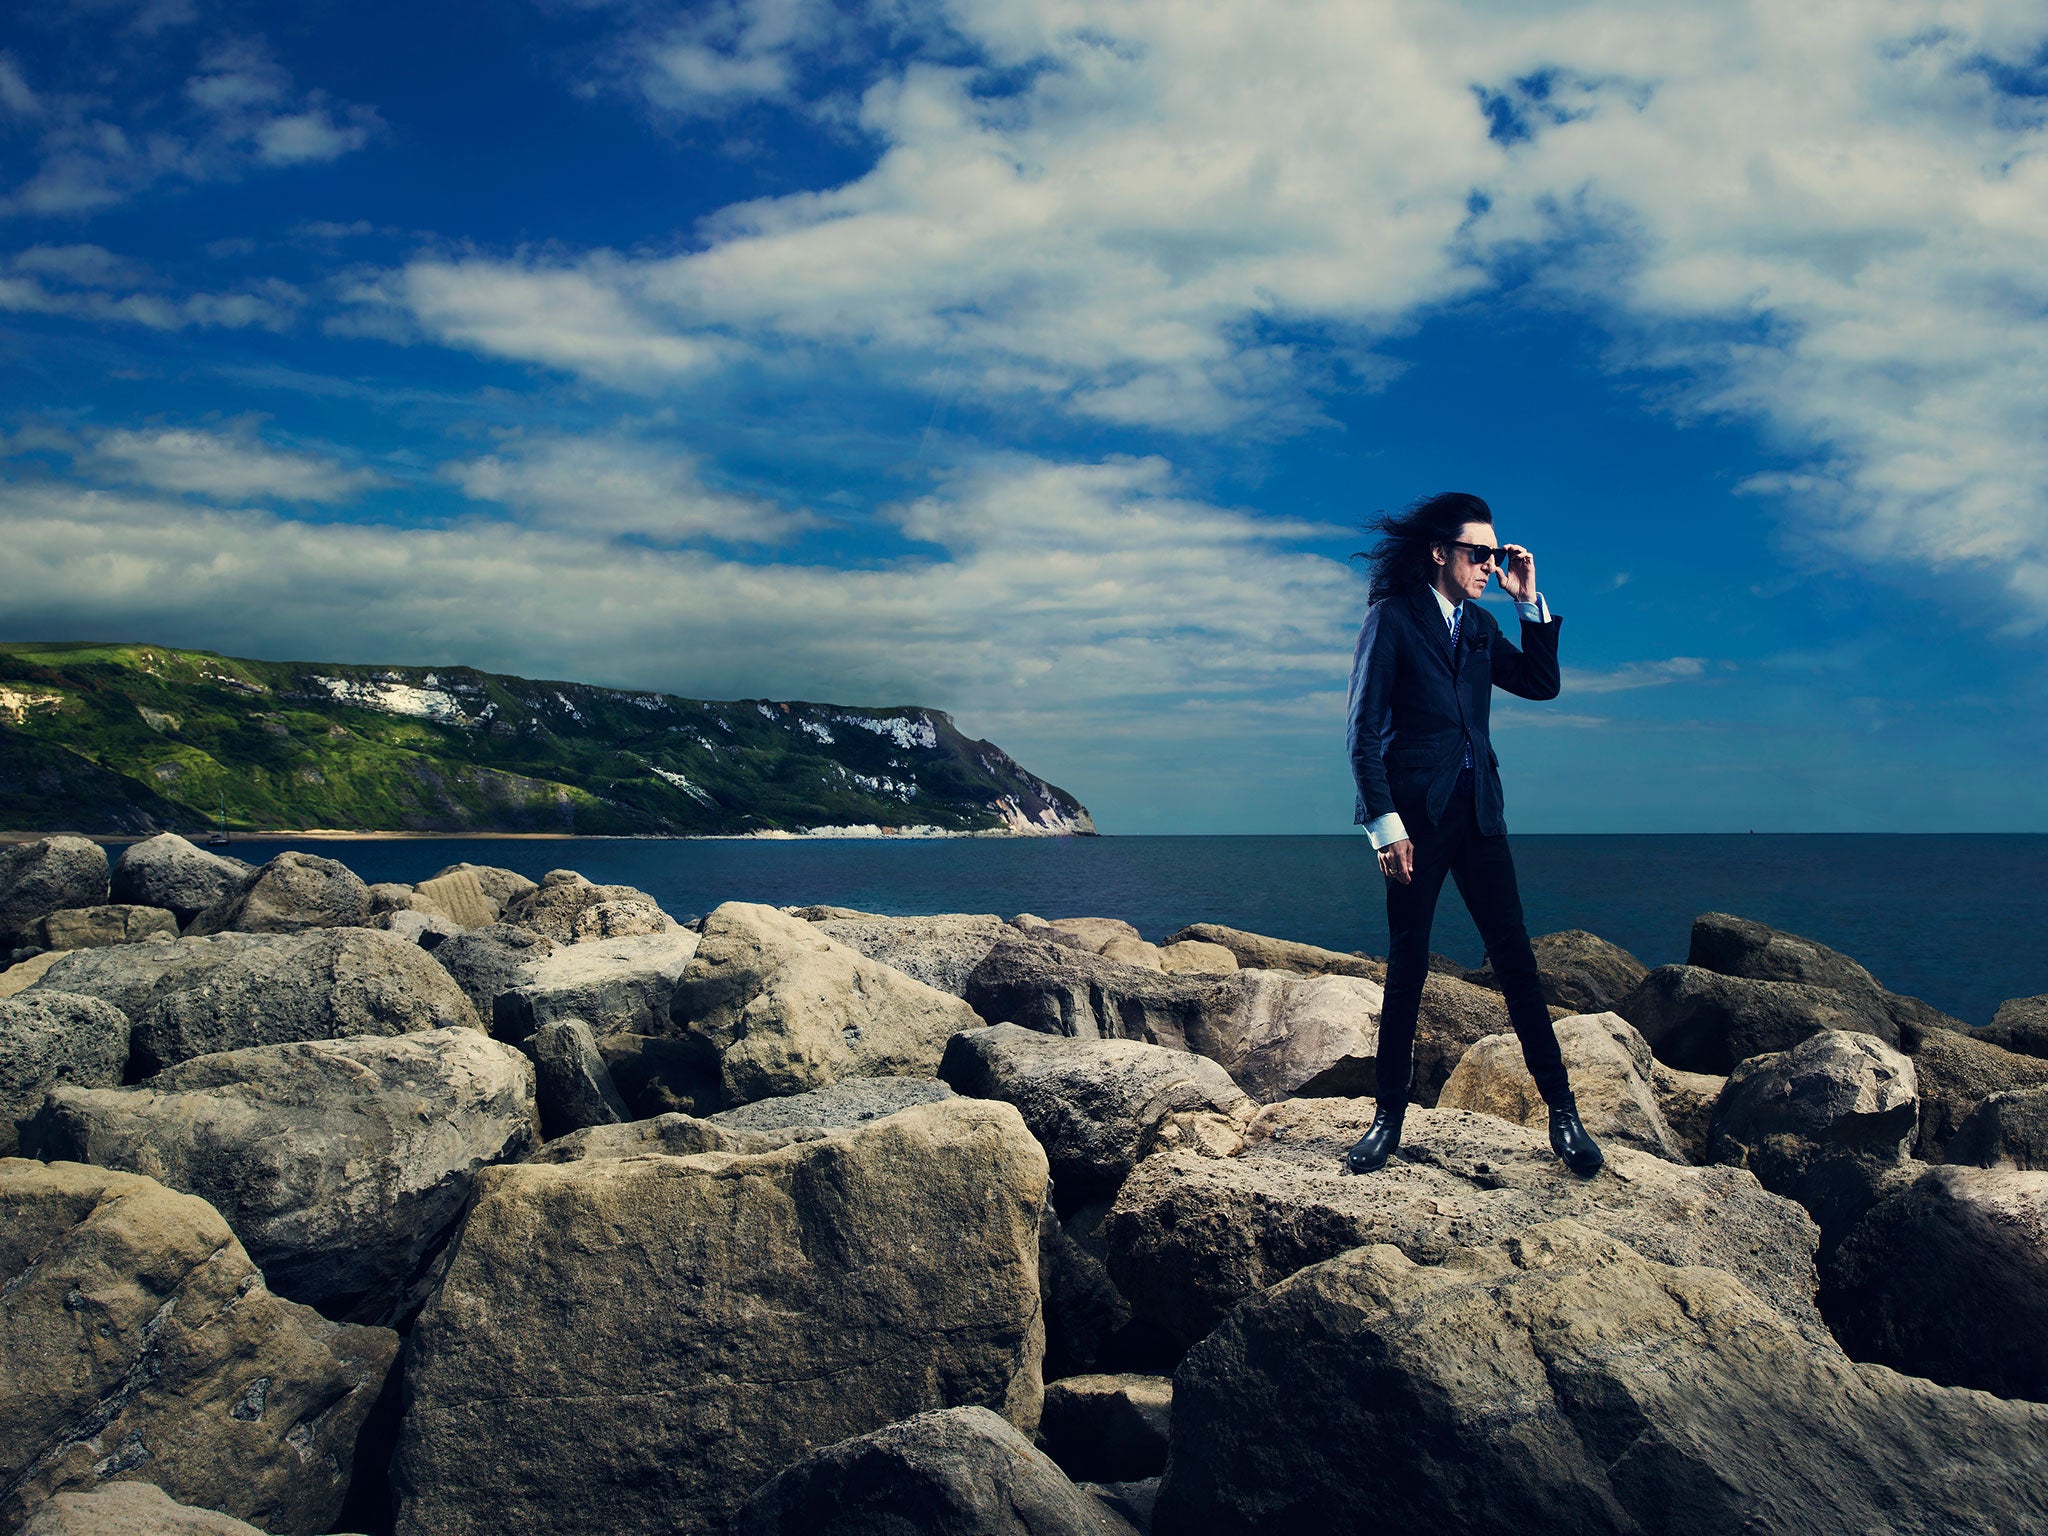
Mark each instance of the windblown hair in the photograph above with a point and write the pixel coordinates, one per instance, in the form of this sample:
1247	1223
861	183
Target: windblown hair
1400	561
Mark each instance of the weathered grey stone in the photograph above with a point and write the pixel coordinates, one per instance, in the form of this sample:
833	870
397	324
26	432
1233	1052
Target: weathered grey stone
1558	1383
571	1081
1735	946
414	927
1090	934
1956	1073
2008	1130
840	1106
390	896
488	963
167	871
1196	957
503	886
1612	1076
98	927
223	993
1085	1315
1096	1106
45	876
1191	1236
626	983
1821	1123
658	1075
673	1135
675	1330
619	920
1254	951
341	1165
2020	1025
1948	1279
1032	980
293	893
1108	1428
130	1509
1704	1021
785	1009
1281	1034
139	1336
563	896
1579	971
953	1472
1687	1100
459	897
50	1039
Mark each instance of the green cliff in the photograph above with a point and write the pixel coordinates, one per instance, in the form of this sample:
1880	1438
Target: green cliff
142	738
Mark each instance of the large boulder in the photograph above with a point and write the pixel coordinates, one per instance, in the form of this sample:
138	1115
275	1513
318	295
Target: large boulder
1278	1033
571	1081
1948	1279
139	1336
24	974
1281	1034
1191	1236
1111	1427
561	907
1735	946
341	1165
1257	952
1559	1383
53	1038
1197	957
490	963
951	1472
2008	1130
2021	1024
99	927
129	1509
1092	935
44	876
782	1008
617	984
1579	971
672	1135
457	896
1826	1123
939	951
675	1330
1956	1073
1096	1106
167	871
503	886
1613	1077
233	990
293	893
1703	1021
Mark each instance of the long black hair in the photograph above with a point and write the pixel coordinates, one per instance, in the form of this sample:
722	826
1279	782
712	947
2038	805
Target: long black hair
1400	561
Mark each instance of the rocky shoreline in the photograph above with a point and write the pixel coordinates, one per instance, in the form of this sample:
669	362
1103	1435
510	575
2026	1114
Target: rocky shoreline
480	1205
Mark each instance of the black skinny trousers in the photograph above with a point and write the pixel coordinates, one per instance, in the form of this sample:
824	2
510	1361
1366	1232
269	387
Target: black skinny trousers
1486	879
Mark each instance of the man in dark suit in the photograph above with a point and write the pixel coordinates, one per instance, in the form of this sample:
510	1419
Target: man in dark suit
1429	792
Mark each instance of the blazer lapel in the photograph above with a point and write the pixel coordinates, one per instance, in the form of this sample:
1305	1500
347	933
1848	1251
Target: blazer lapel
1431	618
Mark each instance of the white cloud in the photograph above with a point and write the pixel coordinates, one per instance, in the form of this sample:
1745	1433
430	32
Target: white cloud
1829	221
1635	674
87	282
236	110
1031	616
228	467
618	486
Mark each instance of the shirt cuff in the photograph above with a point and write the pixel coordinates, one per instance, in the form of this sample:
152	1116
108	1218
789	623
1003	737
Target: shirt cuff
1385	830
1537	612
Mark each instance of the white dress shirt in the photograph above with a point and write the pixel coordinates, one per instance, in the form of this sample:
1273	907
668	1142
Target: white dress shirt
1386	830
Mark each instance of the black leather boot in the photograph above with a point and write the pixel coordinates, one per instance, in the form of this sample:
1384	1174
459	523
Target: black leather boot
1570	1140
1372	1150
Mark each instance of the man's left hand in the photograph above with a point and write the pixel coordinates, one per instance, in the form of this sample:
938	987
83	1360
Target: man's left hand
1518	577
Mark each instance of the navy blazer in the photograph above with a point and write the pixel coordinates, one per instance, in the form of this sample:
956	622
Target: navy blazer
1414	706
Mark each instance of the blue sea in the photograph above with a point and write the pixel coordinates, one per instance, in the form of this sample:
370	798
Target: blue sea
1960	921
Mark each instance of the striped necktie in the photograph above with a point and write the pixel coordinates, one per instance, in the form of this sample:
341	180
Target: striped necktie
1457	620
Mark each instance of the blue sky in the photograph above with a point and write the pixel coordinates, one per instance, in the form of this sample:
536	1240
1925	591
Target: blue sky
1037	360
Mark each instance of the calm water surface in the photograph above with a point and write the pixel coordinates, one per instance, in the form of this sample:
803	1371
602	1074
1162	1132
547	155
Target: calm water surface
1960	921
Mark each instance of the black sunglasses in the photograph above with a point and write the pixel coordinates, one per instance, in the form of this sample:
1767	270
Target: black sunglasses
1481	553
